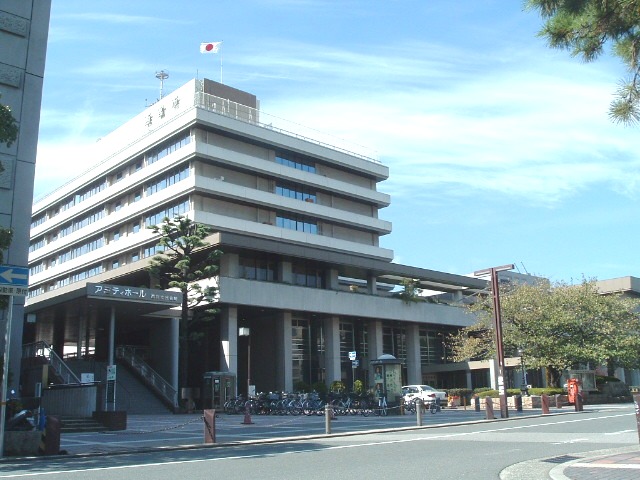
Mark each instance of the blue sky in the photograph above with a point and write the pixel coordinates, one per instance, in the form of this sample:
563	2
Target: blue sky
500	150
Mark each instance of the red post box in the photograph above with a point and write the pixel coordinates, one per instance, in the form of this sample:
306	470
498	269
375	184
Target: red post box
573	390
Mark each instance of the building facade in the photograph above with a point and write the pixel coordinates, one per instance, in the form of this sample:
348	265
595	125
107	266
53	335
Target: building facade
302	267
24	28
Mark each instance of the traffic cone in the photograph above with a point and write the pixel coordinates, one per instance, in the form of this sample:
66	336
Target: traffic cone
247	416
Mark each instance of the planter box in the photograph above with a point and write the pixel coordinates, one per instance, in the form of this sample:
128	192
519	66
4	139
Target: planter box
22	443
116	420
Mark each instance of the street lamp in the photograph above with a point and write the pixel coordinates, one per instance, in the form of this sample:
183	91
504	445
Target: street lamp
245	332
497	324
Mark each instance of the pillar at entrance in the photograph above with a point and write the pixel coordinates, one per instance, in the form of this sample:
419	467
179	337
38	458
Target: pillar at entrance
229	339
284	355
332	349
374	336
414	367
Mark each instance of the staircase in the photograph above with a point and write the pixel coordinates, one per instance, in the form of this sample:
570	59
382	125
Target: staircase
80	425
132	395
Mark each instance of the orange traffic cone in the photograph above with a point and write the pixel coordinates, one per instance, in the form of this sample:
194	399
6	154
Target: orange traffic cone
247	416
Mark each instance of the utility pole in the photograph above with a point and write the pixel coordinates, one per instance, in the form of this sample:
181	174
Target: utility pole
497	325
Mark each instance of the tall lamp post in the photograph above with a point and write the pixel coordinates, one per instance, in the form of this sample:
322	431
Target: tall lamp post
497	325
245	332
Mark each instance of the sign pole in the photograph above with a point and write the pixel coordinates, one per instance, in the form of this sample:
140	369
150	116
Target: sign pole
5	375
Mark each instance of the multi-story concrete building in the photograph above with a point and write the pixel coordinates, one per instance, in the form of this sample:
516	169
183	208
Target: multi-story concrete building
24	28
297	221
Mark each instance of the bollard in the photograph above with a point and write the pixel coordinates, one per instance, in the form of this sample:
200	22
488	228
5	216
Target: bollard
328	413
578	402
50	437
558	401
544	400
488	403
209	417
636	403
476	401
419	413
247	415
517	400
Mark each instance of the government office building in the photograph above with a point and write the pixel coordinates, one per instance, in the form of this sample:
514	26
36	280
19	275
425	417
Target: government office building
302	267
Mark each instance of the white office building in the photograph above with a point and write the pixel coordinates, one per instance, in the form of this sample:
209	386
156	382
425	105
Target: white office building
297	221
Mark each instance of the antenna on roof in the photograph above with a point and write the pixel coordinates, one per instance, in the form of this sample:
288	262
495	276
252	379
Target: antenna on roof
162	76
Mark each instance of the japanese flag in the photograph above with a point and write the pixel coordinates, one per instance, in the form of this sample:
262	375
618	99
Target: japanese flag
211	47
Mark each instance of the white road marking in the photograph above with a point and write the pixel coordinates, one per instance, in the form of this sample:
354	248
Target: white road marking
337	447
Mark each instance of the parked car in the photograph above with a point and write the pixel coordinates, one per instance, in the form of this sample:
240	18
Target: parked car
411	393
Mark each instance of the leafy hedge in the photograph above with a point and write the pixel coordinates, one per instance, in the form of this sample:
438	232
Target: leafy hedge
488	392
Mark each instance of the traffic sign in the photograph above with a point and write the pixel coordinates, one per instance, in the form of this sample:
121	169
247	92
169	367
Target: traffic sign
352	355
14	276
13	291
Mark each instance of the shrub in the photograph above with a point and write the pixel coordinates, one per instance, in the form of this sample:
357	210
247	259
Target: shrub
358	387
337	386
319	387
301	386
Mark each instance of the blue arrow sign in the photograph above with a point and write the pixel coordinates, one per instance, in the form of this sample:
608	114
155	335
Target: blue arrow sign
10	275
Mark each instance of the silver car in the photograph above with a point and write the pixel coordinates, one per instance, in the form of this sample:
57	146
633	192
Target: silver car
427	393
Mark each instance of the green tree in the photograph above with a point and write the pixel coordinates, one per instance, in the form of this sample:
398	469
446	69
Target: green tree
8	126
556	326
181	264
410	290
585	27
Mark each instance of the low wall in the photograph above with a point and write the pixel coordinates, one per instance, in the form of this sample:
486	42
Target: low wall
22	443
70	400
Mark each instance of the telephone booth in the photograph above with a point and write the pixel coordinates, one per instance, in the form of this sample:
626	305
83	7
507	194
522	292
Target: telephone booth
218	387
387	378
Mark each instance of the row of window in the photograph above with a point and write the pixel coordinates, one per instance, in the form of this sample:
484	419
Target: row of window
296	163
296	191
298	223
152	156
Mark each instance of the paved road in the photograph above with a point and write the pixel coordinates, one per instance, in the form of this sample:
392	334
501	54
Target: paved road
526	446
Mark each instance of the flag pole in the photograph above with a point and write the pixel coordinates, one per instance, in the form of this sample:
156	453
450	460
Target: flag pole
221	50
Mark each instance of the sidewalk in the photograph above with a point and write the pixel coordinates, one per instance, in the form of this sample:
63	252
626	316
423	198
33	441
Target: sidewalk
624	465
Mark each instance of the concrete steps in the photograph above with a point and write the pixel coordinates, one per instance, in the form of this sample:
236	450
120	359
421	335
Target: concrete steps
79	425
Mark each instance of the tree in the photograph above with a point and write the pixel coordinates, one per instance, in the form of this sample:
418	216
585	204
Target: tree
556	326
8	126
584	27
182	263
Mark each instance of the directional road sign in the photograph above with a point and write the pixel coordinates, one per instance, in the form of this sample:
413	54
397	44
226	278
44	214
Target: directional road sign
14	276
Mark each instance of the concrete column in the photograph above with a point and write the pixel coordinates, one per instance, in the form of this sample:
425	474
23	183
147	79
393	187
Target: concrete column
174	352
112	336
229	339
332	349
374	337
414	367
372	285
284	370
230	265
331	279
285	273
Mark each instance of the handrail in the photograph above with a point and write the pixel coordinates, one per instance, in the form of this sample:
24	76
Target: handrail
43	349
150	376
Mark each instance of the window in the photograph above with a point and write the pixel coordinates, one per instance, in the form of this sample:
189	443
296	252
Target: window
307	275
116	235
297	223
156	217
294	162
168	147
298	192
171	178
257	269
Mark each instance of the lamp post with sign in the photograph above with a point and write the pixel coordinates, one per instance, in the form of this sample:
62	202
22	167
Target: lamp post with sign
497	325
246	332
354	364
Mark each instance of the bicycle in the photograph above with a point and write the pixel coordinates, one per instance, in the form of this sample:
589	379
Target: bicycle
382	407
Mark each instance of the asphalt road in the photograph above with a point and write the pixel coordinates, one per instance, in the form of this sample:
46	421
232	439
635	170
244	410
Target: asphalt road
521	447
